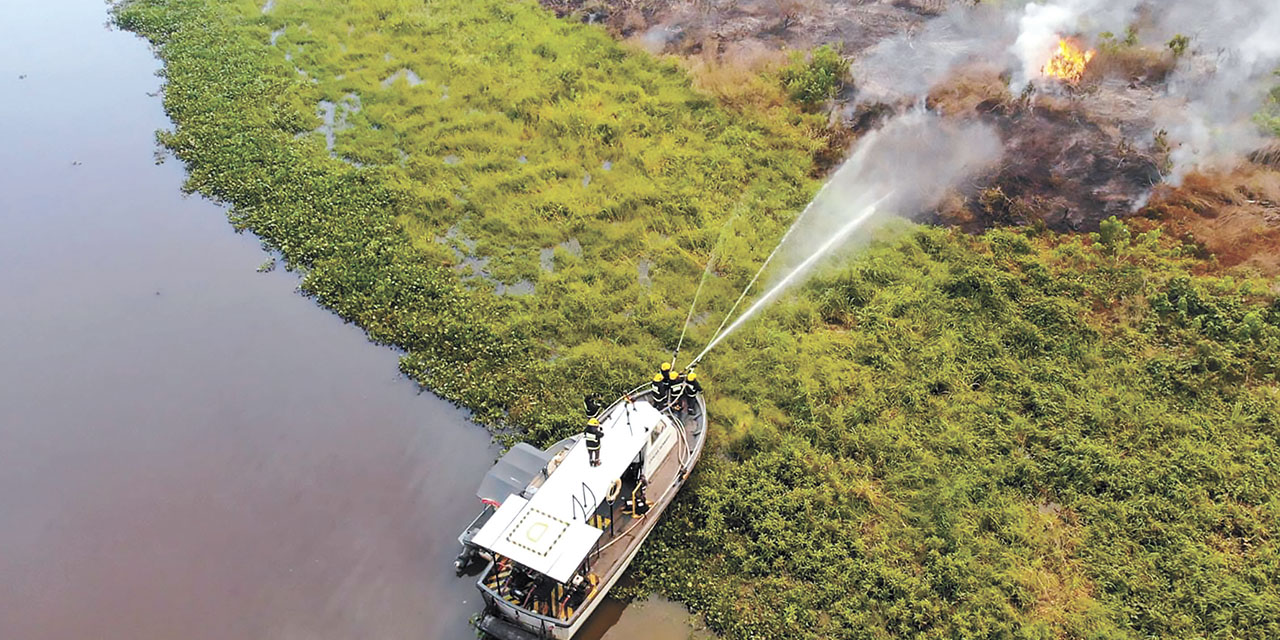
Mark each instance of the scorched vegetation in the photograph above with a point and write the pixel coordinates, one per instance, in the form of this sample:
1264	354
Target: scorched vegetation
1005	435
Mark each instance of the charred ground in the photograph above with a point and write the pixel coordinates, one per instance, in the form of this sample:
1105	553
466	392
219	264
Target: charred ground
1076	153
1014	434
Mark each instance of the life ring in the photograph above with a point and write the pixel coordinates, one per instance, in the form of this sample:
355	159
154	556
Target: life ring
614	490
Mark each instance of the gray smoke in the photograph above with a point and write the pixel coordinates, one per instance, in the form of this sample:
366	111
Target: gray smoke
905	167
1211	97
911	162
905	67
1223	82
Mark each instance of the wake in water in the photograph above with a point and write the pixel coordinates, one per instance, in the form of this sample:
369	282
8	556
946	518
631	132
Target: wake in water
905	167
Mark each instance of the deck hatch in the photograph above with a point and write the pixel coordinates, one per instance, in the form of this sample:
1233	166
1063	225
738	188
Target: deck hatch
537	531
550	532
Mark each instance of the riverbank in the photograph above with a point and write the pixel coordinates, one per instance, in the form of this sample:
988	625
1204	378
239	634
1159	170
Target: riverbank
1018	433
191	449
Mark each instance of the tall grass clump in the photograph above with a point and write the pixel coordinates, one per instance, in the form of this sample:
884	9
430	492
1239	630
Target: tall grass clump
1004	436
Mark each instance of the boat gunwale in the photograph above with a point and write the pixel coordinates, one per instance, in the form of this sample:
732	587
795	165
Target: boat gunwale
695	453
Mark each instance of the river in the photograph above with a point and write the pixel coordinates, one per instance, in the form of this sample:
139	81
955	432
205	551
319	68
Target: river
188	447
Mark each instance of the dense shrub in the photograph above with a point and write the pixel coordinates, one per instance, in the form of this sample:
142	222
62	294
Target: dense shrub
1001	436
814	79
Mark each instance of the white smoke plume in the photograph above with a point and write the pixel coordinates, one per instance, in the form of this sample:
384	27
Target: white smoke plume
912	162
1208	102
1040	25
904	168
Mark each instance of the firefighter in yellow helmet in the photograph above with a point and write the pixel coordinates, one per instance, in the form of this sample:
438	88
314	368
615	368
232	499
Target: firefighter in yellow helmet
689	396
675	381
661	389
594	434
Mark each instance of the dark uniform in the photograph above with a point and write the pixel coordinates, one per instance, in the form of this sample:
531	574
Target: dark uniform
661	390
638	505
676	382
594	435
689	398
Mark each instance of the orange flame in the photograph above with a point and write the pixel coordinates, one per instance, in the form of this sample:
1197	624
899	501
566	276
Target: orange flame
1068	63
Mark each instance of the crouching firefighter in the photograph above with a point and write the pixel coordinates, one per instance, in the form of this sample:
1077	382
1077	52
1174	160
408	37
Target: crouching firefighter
594	434
675	386
638	504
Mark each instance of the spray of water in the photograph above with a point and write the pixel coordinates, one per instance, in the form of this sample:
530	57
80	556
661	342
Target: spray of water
840	235
772	254
906	167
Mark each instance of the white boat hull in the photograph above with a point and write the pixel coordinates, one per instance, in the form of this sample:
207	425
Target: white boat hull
509	621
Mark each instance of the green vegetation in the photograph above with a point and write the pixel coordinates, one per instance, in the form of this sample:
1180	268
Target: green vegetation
1269	116
466	132
814	79
999	436
949	436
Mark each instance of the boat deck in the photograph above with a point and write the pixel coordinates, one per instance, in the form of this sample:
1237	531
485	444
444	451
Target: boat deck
622	531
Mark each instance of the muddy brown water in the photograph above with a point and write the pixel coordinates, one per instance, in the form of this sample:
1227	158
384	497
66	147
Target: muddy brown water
189	448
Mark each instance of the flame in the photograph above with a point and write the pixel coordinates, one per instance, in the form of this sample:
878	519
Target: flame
1068	63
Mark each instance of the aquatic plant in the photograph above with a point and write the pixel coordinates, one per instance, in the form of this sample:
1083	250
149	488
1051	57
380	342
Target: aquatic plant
1010	435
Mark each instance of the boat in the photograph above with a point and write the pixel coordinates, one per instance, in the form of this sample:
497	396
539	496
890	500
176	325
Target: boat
556	533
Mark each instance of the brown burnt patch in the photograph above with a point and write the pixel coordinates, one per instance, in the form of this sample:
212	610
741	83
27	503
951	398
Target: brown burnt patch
1233	216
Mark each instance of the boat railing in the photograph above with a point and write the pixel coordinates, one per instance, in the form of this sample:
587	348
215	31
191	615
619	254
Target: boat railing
496	600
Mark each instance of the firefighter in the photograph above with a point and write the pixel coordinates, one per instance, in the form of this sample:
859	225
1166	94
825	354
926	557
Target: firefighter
592	404
676	382
594	435
638	505
661	390
689	398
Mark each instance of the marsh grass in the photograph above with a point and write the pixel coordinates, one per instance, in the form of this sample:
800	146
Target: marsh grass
1012	435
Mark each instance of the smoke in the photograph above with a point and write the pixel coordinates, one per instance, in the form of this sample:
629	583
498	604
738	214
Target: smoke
1208	103
905	167
905	67
1222	83
912	162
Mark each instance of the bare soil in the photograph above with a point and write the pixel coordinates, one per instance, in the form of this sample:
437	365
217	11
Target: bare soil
1233	216
687	27
1074	154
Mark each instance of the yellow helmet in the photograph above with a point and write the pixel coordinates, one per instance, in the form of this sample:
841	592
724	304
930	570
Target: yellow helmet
666	366
671	375
593	422
692	376
657	377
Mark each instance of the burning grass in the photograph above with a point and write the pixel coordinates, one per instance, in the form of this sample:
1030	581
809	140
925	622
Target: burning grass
1068	63
948	436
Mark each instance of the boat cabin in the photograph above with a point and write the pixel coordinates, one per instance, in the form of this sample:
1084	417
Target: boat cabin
565	526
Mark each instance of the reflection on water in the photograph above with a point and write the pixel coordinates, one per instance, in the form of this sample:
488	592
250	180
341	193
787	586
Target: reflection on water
653	619
188	448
